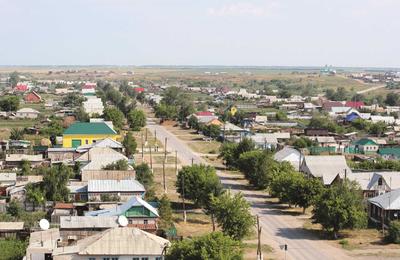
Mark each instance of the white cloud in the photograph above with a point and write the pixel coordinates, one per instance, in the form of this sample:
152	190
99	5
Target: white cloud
240	9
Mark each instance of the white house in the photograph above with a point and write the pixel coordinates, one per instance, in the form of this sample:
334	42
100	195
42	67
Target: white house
93	106
27	112
290	155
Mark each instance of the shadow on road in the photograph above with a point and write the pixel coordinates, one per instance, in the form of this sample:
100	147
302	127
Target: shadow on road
296	233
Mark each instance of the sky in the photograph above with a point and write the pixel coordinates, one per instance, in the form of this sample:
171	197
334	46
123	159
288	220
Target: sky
352	33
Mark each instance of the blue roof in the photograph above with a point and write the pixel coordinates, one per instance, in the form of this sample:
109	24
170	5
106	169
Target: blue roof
351	117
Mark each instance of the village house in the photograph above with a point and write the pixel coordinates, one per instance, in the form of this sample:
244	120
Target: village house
384	208
290	155
15	160
139	213
11	229
114	190
389	153
80	227
366	146
99	157
33	97
27	112
87	175
62	209
120	243
93	106
329	168
83	133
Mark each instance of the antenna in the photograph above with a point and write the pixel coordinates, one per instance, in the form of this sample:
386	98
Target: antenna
44	224
122	221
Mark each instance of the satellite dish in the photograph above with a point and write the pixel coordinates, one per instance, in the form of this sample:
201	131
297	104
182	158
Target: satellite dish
122	221
44	224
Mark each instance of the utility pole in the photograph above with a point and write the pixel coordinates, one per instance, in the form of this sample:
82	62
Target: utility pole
146	135
192	161
151	159
165	149
142	148
176	162
259	252
164	180
183	198
155	135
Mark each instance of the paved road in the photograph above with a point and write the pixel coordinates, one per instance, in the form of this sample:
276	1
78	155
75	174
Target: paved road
277	229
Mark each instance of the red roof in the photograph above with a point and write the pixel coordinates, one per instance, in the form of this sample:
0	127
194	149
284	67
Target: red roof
60	205
354	104
21	87
204	113
329	104
89	85
139	90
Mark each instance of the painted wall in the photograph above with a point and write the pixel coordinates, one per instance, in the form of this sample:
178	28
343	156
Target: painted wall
67	139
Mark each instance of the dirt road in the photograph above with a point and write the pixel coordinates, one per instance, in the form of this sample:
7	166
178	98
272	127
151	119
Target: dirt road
277	229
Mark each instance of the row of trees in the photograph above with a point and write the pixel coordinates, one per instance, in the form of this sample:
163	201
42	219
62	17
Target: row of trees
175	104
336	207
9	103
211	130
200	184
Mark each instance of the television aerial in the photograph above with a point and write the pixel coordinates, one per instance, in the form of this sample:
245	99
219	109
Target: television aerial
44	224
122	221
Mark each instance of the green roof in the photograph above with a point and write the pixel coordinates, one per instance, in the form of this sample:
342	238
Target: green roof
83	128
390	151
365	141
89	94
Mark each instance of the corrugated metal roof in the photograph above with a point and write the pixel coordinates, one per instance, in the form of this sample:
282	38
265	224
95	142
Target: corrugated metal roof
100	157
89	128
120	210
115	186
77	222
389	200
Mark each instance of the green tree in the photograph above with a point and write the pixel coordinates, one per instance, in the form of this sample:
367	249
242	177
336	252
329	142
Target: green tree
25	167
306	191
115	115
213	246
145	176
212	131
245	145
193	122
233	215
14	209
378	128
227	153
120	165
17	134
55	180
200	182
9	103
165	111
136	119
340	206
165	212
13	79
34	194
393	235
12	249
72	100
81	115
392	99
129	144
281	116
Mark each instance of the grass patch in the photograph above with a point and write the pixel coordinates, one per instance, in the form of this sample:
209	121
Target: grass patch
205	147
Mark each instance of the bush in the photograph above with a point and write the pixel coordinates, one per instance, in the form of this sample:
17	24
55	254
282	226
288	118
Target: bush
394	232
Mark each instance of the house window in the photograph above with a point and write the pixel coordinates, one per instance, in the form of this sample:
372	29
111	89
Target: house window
114	258
130	221
92	258
135	258
145	258
106	258
380	182
159	258
145	221
86	141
